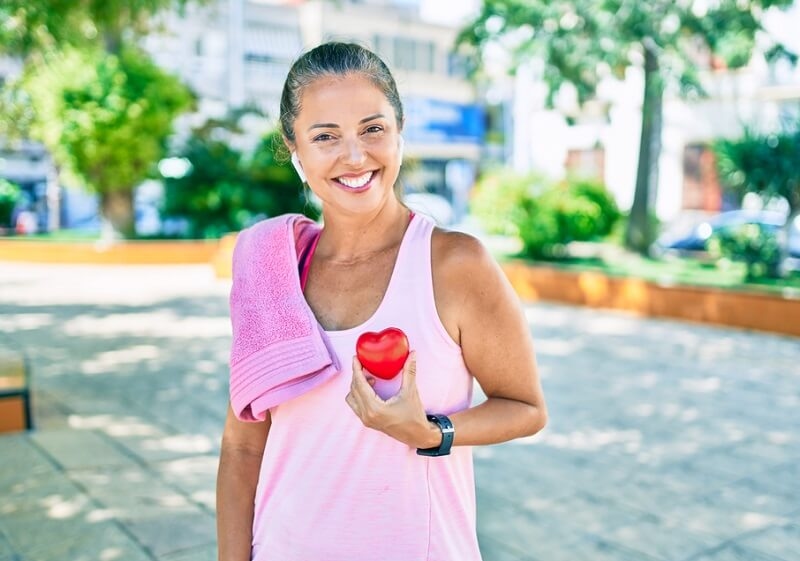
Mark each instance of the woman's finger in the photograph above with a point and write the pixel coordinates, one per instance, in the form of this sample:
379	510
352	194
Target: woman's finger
409	381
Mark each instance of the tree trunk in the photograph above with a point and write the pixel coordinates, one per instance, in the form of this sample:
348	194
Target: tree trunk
639	234
784	239
117	210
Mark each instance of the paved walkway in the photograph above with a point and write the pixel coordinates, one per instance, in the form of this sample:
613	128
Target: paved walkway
667	441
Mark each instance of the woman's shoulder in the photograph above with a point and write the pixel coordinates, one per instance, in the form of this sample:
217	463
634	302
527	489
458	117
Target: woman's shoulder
458	256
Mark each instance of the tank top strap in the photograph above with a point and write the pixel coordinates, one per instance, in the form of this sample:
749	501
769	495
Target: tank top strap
412	279
416	251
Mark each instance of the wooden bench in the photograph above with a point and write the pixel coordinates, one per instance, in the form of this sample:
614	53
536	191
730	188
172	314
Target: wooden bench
15	408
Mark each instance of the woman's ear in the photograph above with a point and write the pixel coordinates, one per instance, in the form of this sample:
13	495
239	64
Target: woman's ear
400	145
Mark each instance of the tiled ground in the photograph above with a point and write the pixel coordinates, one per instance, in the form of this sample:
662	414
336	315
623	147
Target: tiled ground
667	441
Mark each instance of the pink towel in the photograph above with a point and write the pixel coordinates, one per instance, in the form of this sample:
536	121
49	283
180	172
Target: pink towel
279	349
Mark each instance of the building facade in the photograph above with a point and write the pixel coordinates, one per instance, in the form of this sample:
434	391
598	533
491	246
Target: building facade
238	52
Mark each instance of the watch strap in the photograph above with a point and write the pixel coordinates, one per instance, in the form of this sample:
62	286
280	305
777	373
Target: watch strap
448	433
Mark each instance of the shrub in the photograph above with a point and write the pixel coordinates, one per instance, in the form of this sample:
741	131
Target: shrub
574	210
752	244
545	216
227	190
10	195
499	196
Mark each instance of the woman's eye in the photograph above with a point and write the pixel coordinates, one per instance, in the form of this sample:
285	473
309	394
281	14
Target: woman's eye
322	137
374	129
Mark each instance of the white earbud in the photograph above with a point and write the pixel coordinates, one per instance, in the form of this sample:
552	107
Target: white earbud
400	145
298	168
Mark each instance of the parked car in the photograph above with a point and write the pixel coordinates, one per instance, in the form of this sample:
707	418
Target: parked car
693	242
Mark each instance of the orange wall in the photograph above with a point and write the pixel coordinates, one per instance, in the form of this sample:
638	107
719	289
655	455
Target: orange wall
739	309
763	312
118	253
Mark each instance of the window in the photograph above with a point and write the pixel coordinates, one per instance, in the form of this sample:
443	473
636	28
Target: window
457	66
384	47
427	57
404	53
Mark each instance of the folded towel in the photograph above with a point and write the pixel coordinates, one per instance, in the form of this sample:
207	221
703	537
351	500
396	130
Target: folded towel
279	349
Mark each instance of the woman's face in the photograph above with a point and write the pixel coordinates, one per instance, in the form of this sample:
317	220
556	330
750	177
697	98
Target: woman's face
347	142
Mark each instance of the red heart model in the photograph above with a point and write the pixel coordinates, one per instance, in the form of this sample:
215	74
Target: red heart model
383	353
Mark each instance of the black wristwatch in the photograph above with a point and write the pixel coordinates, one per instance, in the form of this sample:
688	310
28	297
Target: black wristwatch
448	432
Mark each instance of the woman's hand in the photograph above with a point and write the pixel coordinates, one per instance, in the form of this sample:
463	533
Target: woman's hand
402	416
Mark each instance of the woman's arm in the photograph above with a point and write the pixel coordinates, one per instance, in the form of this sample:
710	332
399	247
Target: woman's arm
239	465
495	341
482	313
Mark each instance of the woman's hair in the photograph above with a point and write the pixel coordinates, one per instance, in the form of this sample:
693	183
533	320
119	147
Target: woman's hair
334	60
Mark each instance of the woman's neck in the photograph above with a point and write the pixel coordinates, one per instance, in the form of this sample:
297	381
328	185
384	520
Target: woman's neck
352	239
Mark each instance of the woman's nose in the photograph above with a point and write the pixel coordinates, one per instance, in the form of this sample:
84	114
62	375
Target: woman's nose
353	153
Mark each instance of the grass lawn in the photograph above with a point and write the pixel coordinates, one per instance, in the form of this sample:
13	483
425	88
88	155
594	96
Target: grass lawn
63	236
614	261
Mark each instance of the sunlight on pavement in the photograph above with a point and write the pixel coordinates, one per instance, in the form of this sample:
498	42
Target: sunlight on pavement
557	347
113	425
107	362
17	322
163	323
59	507
186	443
592	439
705	385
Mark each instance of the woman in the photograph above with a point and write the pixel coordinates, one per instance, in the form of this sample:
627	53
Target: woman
360	468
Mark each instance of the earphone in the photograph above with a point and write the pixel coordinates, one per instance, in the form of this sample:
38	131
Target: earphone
297	167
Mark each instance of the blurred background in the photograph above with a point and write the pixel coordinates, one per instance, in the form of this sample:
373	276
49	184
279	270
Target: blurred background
639	156
668	130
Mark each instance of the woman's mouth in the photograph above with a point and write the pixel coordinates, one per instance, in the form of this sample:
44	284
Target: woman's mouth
358	182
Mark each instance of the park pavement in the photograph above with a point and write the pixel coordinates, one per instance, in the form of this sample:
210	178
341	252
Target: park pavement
666	440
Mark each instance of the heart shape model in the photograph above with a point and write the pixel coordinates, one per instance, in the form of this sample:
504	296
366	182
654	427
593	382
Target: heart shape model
383	353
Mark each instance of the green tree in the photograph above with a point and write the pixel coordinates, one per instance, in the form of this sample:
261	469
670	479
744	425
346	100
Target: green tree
767	164
10	194
225	189
583	41
106	119
32	27
55	38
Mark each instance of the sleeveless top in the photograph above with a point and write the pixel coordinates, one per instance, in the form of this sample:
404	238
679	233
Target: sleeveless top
331	489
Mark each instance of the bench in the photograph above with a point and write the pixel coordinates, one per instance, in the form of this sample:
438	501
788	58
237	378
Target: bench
15	408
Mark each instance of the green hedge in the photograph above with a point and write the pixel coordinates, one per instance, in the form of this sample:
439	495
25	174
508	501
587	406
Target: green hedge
545	215
10	195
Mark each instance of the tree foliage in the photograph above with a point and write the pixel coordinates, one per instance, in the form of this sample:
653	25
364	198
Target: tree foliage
100	105
105	119
29	27
582	42
545	215
227	189
765	164
10	194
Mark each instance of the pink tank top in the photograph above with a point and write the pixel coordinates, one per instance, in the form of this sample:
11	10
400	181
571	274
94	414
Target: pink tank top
331	489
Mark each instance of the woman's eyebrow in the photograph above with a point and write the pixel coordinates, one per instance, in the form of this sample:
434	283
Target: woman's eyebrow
372	117
324	126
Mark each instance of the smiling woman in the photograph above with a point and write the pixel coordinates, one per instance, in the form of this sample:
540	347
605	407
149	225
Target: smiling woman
321	458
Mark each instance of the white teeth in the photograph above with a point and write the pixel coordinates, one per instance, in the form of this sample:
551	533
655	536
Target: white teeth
356	182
